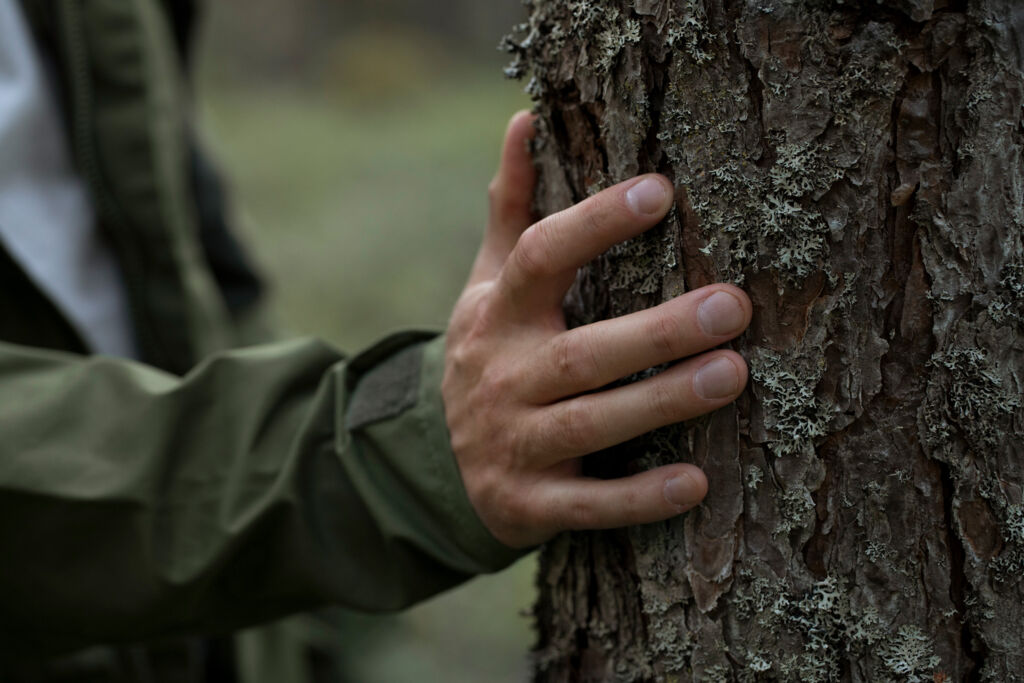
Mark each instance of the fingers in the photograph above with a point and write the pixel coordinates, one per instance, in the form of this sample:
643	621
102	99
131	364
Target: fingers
512	188
651	496
543	263
592	422
511	198
516	437
592	356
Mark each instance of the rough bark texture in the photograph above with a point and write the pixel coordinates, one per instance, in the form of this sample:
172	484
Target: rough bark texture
859	168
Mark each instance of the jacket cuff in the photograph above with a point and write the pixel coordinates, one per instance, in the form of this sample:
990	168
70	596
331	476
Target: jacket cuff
396	401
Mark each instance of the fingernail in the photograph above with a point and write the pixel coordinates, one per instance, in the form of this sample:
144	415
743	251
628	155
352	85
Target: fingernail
717	379
721	314
683	491
647	197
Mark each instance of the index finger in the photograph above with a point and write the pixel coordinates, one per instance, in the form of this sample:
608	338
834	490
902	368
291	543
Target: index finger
511	199
543	264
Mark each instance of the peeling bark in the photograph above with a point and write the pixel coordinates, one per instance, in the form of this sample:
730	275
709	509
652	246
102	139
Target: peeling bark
859	169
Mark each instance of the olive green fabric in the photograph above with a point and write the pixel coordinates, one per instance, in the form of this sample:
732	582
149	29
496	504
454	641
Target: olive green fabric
140	505
129	119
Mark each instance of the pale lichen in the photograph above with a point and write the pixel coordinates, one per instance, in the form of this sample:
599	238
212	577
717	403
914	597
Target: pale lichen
910	656
1007	305
787	384
1008	567
640	265
718	673
866	77
755	475
977	399
823	617
783	122
796	510
688	31
763	213
609	30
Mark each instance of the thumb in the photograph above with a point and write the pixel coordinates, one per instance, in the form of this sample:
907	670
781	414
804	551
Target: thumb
511	198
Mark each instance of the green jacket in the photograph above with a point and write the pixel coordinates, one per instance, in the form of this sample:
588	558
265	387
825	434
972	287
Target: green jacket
209	489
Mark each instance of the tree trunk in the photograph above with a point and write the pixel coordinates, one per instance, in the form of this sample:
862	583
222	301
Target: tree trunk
860	172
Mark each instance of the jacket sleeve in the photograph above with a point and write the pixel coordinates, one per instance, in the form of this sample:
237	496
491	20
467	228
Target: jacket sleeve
136	504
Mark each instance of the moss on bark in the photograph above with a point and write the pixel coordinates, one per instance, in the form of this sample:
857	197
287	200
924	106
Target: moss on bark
859	169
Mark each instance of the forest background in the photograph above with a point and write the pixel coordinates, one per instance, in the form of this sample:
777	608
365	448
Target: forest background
359	137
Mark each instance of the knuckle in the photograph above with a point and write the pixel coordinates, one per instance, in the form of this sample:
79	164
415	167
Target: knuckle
530	443
491	500
575	360
457	375
472	311
632	506
517	512
501	494
605	211
505	204
591	216
665	336
514	512
575	427
579	513
469	356
461	357
496	382
486	485
533	253
663	402
462	442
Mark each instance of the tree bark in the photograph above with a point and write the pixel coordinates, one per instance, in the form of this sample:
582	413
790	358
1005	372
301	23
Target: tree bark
859	169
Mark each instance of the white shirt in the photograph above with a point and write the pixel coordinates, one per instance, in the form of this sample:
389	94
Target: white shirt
47	222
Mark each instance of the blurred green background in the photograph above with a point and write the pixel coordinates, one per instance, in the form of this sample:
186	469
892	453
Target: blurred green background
359	137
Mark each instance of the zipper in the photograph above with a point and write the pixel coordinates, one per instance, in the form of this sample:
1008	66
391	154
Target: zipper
150	347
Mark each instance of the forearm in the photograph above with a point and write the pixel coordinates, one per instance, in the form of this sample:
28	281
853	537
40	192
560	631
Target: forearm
137	504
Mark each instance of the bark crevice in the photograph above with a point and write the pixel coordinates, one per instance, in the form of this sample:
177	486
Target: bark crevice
974	649
856	171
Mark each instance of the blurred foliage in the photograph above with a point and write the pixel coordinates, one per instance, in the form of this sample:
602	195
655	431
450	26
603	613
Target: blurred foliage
382	64
285	40
359	159
366	218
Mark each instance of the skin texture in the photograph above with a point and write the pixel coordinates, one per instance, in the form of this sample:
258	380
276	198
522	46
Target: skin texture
526	398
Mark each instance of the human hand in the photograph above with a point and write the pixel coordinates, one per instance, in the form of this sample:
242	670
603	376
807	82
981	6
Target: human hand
523	395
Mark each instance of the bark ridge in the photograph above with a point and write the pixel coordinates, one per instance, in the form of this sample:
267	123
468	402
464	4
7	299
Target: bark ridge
859	169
